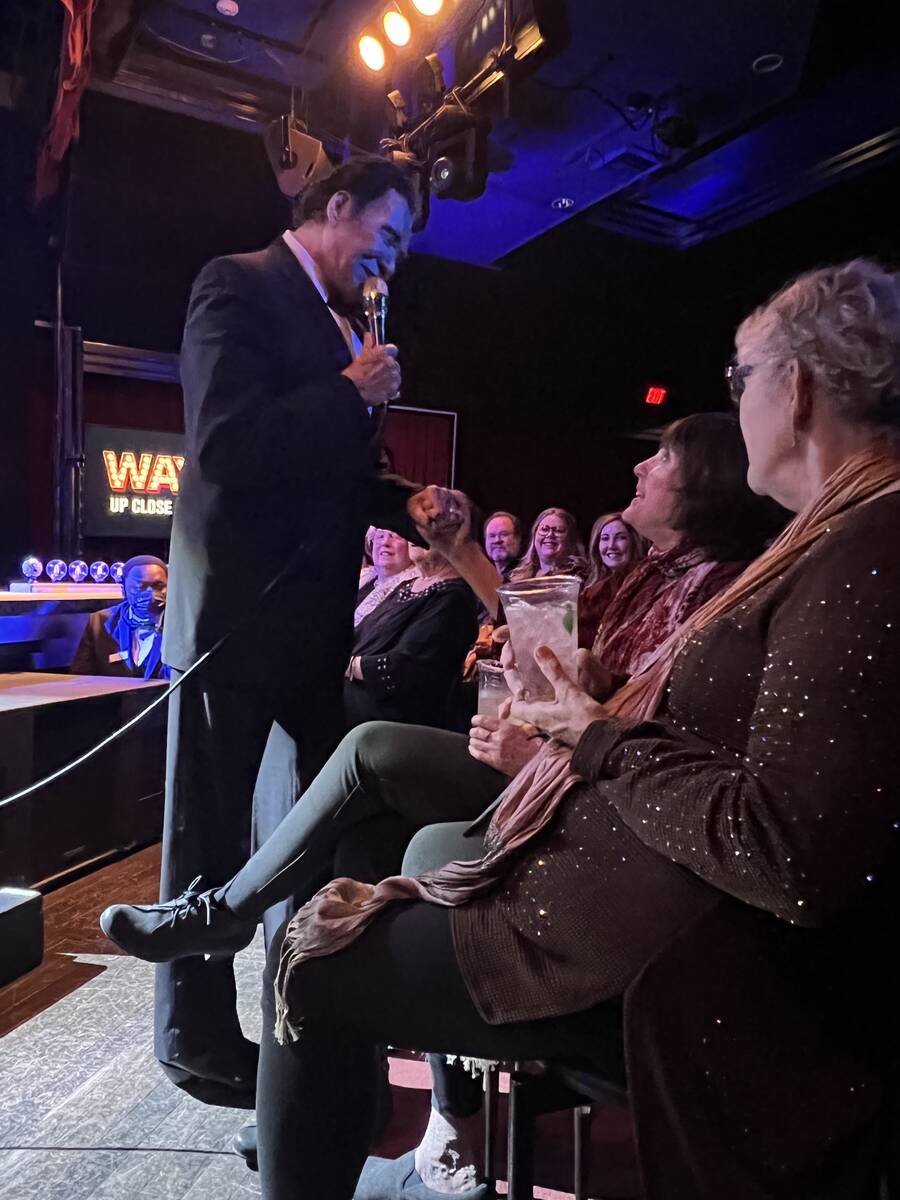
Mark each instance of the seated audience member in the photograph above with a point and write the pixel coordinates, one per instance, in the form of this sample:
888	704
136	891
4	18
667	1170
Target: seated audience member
613	549
503	541
734	810
555	548
127	640
703	524
391	565
408	652
366	567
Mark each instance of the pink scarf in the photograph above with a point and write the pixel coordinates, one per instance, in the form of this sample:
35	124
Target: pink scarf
338	913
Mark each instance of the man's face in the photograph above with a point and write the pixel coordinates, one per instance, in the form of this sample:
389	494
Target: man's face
501	541
357	243
145	589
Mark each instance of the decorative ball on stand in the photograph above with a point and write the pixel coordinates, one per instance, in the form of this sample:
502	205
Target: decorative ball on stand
116	571
78	570
32	568
99	570
56	570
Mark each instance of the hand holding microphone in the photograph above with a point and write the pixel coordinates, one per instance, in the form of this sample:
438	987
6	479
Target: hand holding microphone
376	373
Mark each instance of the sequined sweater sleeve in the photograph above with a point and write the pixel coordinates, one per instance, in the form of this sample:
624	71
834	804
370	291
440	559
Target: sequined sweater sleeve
805	808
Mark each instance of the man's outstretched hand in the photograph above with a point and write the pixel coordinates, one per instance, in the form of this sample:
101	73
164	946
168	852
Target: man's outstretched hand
438	512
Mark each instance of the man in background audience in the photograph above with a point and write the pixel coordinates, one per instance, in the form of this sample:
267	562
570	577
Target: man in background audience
127	640
503	541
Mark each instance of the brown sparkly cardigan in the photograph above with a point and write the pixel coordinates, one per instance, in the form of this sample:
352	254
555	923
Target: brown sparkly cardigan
745	834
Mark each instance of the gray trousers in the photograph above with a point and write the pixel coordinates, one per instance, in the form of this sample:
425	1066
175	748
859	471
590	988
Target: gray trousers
236	761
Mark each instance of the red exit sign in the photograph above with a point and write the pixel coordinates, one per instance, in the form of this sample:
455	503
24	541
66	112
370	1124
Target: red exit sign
656	395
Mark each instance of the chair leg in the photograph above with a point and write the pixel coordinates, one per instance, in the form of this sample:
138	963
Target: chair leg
491	1079
520	1141
579	1128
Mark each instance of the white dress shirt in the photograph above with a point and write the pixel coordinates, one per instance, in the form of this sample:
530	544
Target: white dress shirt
308	263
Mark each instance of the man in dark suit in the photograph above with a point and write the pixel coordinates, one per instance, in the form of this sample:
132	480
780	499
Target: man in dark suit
281	479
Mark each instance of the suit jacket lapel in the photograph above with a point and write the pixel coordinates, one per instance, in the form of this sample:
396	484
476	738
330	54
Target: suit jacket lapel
302	296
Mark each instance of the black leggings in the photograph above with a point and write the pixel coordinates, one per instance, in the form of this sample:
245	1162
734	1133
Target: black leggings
382	783
398	984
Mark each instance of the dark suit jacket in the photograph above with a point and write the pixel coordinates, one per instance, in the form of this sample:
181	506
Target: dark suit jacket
282	468
98	651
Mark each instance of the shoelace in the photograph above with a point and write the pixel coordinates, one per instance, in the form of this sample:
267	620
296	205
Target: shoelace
189	901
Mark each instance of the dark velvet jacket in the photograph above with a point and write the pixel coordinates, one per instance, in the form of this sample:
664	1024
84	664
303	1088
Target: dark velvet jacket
411	651
282	475
730	867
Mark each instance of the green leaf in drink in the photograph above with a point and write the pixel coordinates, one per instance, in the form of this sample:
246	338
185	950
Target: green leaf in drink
569	619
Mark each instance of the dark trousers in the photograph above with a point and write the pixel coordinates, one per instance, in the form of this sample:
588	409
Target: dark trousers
236	761
398	984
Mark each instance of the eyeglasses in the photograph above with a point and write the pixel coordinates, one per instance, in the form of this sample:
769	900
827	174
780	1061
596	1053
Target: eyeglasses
736	378
547	530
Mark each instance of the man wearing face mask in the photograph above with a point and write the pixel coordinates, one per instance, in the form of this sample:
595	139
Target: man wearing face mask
283	409
127	640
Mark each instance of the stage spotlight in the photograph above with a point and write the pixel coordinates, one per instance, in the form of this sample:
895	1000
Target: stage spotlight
56	570
99	570
396	27
371	52
78	570
117	571
429	8
457	155
297	159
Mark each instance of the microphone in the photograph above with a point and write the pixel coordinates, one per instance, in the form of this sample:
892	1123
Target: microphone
375	306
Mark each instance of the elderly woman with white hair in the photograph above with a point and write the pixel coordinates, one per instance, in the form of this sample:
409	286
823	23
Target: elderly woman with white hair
696	876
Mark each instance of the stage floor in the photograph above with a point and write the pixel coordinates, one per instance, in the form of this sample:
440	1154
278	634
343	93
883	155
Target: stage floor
86	1113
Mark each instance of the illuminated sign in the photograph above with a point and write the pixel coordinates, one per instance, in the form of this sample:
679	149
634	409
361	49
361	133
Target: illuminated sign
132	478
656	395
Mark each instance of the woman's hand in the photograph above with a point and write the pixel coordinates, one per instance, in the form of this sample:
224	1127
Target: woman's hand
568	714
593	677
503	744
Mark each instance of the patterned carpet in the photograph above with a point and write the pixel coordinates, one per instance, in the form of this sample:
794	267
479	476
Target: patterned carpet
79	1084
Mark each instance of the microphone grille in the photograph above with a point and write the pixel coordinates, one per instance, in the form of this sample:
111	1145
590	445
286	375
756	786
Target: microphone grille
374	286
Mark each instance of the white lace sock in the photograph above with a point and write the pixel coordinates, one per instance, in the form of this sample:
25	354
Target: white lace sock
449	1156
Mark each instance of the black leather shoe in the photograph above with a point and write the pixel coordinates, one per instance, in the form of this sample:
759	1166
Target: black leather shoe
244	1144
193	923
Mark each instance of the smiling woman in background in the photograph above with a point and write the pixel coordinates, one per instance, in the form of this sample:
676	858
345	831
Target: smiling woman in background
391	565
613	549
555	547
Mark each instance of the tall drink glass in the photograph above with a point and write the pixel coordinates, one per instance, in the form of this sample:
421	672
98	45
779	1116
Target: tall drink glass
492	688
542	612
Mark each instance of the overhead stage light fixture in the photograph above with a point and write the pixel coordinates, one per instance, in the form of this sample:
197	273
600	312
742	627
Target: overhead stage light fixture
429	8
397	28
371	52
